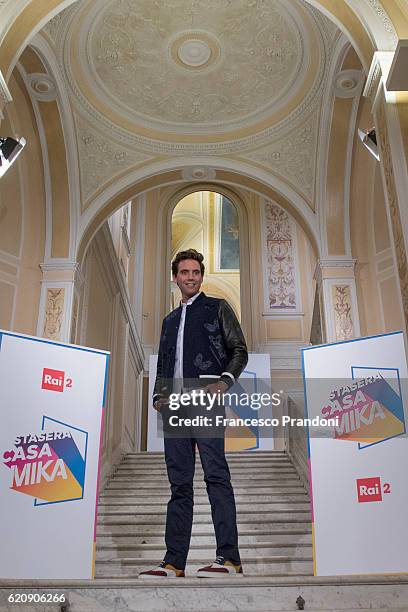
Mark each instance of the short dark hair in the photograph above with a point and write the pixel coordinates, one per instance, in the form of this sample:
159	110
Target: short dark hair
189	254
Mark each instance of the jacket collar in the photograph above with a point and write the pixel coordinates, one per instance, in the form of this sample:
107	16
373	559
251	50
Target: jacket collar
198	299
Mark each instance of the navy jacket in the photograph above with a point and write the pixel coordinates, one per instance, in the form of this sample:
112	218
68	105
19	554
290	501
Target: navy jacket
213	345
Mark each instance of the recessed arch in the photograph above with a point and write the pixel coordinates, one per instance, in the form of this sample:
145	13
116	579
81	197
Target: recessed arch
229	174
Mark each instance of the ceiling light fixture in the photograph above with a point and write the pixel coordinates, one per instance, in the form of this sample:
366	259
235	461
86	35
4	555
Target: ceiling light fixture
10	149
369	140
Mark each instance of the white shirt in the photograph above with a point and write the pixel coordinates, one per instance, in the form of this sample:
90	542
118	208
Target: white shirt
178	361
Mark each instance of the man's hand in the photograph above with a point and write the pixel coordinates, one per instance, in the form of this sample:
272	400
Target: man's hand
217	387
158	404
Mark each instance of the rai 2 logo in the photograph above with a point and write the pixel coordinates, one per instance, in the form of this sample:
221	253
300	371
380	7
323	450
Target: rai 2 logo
371	489
55	380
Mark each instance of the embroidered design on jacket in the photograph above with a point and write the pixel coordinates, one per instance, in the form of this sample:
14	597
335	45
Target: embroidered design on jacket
212	327
217	343
200	363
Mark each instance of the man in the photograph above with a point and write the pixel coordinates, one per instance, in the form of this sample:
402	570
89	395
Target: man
202	339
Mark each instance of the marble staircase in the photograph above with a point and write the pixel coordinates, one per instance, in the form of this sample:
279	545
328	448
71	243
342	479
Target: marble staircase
275	537
273	513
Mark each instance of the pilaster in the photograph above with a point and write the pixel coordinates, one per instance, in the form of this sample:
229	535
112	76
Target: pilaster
338	298
59	299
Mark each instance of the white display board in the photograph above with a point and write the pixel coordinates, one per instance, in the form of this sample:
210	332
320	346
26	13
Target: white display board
51	414
254	378
358	469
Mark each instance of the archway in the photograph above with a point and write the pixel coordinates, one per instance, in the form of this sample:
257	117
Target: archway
208	222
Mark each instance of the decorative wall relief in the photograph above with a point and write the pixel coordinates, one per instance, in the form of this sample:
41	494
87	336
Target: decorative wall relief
101	158
342	307
54	309
397	232
294	157
279	251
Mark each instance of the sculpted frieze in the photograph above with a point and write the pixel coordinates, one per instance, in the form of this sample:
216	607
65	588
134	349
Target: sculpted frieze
293	157
100	158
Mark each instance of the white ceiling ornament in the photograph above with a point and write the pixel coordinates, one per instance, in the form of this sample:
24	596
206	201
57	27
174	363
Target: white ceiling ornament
151	60
294	157
100	158
42	86
349	83
199	173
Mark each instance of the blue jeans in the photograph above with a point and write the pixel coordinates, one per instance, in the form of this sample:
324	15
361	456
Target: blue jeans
180	462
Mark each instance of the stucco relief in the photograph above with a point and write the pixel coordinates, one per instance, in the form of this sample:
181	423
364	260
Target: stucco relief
385	20
54	309
100	158
53	26
342	308
280	264
141	57
294	158
392	197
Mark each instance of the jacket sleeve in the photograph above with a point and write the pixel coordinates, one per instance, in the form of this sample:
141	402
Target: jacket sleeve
236	349
159	385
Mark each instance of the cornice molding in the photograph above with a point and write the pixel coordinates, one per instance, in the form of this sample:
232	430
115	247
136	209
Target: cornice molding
339	262
59	265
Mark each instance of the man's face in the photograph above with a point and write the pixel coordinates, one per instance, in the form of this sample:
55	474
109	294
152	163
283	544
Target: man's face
188	278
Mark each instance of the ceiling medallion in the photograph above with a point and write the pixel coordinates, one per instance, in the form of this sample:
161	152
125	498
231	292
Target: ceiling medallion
42	86
199	173
195	50
348	83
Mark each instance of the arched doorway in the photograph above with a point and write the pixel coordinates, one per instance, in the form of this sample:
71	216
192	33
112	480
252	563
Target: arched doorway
208	222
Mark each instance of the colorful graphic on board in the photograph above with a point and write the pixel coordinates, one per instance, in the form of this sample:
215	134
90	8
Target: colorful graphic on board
50	465
369	410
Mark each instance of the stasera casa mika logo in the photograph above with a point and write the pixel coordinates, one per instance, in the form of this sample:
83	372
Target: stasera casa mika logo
369	410
49	465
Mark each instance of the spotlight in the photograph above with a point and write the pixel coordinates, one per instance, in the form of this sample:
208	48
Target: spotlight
10	149
369	140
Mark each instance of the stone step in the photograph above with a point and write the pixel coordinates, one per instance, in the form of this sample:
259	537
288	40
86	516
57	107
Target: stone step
254	453
129	528
242	508
205	554
233	464
114	539
151	488
141	479
157	518
237	472
143	500
279	564
272	593
235	460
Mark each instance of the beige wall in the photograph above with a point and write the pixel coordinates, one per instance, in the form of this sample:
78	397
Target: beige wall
262	329
106	322
22	219
378	294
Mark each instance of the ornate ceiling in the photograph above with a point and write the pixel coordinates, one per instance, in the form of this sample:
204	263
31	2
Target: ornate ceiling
179	66
236	78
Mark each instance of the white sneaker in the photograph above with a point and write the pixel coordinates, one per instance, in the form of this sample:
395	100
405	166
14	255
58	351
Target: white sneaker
164	570
220	569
